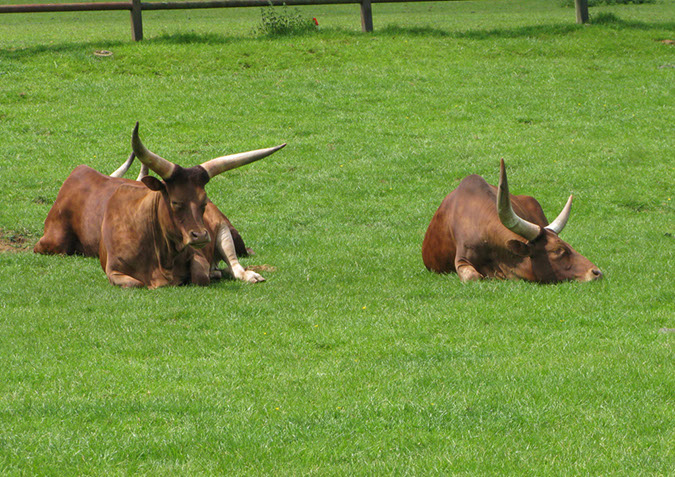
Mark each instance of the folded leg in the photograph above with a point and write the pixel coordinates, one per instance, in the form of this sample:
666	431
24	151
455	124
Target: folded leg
226	248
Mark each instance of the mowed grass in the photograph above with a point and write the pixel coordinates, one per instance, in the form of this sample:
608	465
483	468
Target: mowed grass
351	359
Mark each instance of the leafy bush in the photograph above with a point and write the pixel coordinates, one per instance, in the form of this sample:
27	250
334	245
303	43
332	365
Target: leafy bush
284	21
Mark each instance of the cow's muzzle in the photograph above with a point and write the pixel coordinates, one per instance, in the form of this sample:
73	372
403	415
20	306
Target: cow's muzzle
197	239
593	274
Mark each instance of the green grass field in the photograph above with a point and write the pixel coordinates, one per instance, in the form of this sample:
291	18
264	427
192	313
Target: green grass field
352	358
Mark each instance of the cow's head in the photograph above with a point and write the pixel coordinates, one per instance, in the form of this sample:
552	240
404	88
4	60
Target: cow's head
551	258
183	197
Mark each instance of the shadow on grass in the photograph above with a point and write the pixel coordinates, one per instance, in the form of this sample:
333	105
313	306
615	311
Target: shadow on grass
75	46
194	38
610	19
486	34
17	53
604	19
533	31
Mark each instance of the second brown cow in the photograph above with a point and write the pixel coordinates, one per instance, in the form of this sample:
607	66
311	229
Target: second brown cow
481	231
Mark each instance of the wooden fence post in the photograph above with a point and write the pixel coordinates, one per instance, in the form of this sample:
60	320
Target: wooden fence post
136	20
366	16
581	7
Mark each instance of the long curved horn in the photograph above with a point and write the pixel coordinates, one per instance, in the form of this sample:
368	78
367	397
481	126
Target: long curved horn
161	166
507	216
142	173
124	167
225	163
559	223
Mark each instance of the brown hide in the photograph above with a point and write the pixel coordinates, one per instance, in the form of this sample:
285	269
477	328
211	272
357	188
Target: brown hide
148	234
166	222
214	219
73	226
466	236
140	246
151	219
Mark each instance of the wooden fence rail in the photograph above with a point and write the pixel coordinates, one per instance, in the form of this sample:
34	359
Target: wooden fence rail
136	7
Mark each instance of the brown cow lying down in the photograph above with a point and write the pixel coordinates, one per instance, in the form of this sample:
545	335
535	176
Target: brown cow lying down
85	236
227	247
151	233
481	231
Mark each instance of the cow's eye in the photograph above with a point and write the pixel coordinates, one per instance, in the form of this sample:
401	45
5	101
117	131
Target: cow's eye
560	252
176	205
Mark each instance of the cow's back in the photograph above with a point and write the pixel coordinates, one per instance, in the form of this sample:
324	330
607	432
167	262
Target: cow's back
468	219
73	224
453	220
438	247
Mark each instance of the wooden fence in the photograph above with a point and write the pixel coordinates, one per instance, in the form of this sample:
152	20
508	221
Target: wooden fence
136	7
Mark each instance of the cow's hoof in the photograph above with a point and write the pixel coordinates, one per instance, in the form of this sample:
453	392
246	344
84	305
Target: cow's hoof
252	277
468	274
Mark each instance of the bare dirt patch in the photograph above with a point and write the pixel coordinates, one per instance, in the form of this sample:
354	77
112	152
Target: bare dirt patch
11	241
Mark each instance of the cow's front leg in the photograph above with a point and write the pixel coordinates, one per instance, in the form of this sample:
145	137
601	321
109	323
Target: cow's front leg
466	271
225	246
200	270
122	280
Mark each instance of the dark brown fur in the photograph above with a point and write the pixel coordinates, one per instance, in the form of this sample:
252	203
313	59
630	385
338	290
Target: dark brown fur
146	237
466	236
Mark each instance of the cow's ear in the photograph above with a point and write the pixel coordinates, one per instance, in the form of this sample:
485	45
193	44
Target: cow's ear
522	249
153	183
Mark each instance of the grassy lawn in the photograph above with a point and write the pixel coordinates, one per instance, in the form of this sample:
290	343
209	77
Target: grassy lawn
351	359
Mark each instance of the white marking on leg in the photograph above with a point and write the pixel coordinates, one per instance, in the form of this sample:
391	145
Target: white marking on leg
225	246
466	271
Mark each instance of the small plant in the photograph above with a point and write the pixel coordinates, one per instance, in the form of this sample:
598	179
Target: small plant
283	20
